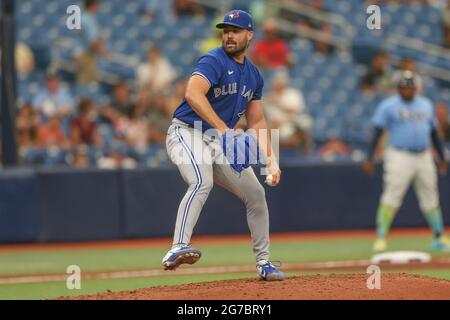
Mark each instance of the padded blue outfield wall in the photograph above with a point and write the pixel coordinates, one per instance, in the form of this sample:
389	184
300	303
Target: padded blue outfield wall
77	205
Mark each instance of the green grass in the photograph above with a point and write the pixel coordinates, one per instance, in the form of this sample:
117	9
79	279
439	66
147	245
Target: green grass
44	262
89	260
436	273
51	290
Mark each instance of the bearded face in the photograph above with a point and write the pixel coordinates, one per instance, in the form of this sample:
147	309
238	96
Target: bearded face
236	40
407	94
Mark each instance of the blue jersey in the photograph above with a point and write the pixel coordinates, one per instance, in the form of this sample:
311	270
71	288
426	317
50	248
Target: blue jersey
89	30
233	86
409	123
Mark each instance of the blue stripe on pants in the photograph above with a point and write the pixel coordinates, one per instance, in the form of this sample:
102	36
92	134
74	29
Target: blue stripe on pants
197	186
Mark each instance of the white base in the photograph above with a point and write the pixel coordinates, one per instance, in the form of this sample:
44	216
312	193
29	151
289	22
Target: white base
401	257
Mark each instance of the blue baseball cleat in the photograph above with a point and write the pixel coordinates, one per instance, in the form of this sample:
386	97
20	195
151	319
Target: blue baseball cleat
267	271
182	254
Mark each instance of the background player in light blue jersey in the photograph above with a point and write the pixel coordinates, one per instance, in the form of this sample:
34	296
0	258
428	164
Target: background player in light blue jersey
411	123
223	87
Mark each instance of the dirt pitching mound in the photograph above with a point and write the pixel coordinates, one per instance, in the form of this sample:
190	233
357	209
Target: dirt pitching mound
394	286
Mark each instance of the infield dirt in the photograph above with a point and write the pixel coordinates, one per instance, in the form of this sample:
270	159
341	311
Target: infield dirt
394	286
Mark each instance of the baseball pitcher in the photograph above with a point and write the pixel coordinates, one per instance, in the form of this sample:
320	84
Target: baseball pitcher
410	121
223	86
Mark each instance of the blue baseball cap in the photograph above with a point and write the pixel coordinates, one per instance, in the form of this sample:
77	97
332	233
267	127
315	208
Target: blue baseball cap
237	18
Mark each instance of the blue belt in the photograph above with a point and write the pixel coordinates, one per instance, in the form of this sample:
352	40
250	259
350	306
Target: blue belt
411	150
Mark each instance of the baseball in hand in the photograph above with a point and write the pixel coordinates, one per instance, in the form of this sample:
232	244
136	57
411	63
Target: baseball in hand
269	180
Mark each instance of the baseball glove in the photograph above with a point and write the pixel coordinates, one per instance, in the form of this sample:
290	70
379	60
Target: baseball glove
240	149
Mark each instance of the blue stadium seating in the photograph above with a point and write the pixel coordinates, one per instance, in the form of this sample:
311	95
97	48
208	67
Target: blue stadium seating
329	84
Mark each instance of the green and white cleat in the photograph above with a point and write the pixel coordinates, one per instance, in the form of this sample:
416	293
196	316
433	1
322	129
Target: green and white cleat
380	245
441	244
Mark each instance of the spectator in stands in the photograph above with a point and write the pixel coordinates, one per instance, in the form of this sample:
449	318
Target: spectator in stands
443	121
80	157
407	64
395	2
188	8
175	95
334	146
92	44
120	105
299	17
115	160
27	125
377	79
54	100
446	25
51	135
136	132
307	24
159	116
323	44
109	114
132	135
83	130
446	14
157	73
214	40
318	5
24	59
286	111
271	52
159	110
446	40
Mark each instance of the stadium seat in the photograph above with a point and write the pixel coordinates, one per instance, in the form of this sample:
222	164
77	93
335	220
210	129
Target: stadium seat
329	84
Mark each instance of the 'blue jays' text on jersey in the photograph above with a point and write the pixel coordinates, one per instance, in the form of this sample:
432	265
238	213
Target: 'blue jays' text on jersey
409	123
233	86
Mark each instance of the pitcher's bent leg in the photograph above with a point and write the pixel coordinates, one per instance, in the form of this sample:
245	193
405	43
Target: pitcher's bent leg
246	186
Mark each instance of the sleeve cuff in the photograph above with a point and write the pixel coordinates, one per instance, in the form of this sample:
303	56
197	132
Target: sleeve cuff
203	76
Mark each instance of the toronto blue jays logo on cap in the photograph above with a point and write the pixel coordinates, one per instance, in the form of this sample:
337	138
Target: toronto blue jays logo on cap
234	14
237	18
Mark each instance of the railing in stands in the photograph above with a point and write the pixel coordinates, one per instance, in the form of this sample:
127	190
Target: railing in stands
396	41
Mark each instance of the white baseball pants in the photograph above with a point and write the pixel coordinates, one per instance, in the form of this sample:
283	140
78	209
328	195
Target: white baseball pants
401	168
201	162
